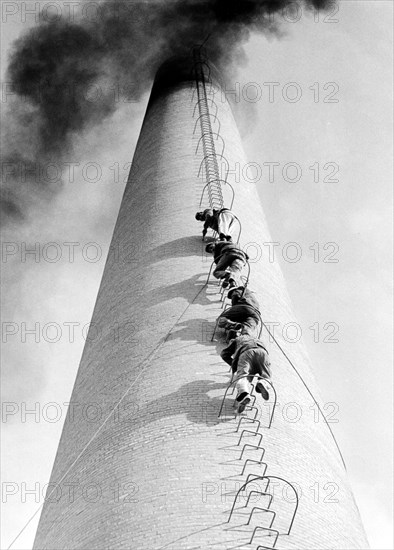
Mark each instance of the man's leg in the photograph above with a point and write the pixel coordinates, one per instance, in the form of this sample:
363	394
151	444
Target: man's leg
235	270
221	266
250	319
261	366
231	221
225	220
242	380
227	280
239	317
229	320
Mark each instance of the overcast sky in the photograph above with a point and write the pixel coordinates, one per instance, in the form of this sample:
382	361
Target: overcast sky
341	126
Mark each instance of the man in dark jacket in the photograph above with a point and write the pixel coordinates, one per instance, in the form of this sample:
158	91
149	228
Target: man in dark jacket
220	221
229	259
244	312
247	357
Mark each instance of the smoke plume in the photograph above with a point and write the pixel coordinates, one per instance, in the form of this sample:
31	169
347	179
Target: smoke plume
68	75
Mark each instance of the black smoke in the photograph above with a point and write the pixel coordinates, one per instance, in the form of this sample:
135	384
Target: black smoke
68	75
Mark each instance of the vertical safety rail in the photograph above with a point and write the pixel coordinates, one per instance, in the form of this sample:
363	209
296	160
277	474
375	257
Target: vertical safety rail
207	135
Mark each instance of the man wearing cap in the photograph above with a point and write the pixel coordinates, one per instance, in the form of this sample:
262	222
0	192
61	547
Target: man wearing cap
217	220
229	260
247	357
244	312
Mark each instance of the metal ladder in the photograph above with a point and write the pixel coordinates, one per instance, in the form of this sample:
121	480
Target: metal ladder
207	135
249	427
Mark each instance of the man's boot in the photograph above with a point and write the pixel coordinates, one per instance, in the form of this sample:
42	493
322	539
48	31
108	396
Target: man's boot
260	388
242	400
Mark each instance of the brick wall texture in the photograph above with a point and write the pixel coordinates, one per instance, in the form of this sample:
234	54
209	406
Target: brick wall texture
158	468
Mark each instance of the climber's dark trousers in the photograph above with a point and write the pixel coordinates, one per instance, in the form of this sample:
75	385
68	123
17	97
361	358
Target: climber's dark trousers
251	362
240	314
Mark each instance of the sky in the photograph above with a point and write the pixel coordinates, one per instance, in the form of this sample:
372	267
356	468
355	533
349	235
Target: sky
317	96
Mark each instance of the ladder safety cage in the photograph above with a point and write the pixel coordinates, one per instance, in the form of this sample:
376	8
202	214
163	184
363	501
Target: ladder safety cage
252	408
209	115
213	186
207	134
259	493
297	500
217	155
209	90
237	495
220	181
233	382
268	479
205	99
211	133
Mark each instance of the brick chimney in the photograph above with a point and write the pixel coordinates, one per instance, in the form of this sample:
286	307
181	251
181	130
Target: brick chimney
144	461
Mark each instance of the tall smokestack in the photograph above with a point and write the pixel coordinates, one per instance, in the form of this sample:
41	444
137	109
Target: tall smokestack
144	461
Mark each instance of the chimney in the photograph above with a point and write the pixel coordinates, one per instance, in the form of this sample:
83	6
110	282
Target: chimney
145	461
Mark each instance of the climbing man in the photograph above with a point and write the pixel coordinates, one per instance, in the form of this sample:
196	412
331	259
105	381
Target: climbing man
220	221
244	313
247	357
229	260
